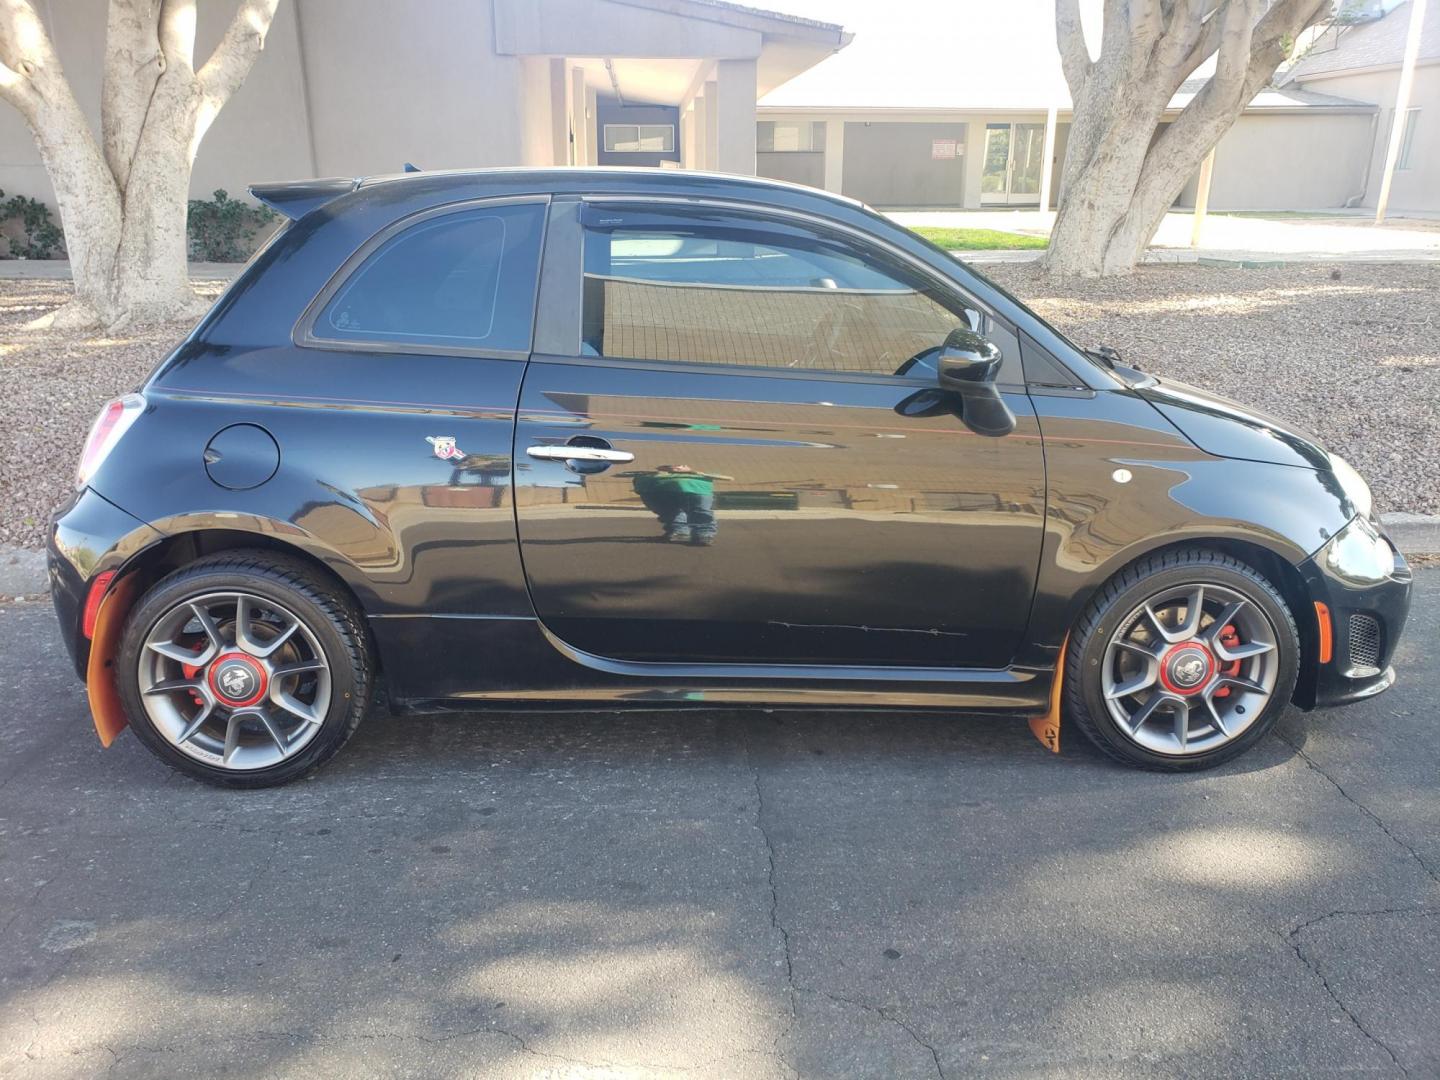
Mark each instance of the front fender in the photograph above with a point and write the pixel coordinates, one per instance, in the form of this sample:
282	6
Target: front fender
1129	484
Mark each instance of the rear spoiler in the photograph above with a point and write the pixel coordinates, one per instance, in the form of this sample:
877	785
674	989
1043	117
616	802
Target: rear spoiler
296	198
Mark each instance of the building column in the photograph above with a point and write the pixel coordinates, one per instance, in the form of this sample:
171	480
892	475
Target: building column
559	113
974	162
1048	160
735	106
712	125
592	133
687	134
834	155
704	107
578	124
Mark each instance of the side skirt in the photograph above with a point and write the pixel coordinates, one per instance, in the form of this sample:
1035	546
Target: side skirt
447	662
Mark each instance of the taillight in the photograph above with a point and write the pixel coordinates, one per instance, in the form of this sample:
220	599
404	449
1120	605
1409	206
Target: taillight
98	588
114	420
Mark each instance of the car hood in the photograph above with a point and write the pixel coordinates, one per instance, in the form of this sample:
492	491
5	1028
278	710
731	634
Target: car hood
1228	429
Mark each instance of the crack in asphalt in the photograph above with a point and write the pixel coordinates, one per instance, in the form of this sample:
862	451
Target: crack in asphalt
775	922
1376	818
880	1011
793	987
1292	939
1339	1004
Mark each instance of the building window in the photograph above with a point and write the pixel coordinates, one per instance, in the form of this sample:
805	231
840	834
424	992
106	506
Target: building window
639	138
789	137
1407	138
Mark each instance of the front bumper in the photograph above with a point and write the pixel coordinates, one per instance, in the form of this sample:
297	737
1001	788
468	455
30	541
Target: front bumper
88	536
1366	624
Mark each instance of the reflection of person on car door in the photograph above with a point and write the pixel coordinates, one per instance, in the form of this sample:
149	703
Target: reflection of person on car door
683	500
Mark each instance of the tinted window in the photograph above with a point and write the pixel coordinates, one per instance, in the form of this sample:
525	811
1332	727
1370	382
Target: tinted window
765	297
462	280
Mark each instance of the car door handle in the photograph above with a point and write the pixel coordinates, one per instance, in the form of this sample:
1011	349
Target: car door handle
580	453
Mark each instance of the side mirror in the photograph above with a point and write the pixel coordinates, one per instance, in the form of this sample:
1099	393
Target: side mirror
968	364
966	360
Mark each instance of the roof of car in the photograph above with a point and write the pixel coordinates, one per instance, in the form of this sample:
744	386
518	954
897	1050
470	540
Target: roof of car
295	198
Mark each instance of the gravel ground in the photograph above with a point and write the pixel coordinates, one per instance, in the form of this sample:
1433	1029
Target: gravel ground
1352	353
51	386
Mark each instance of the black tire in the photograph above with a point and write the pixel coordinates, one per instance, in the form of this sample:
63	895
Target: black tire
1083	697
326	611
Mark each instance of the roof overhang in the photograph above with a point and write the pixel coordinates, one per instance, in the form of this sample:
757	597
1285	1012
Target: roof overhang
693	32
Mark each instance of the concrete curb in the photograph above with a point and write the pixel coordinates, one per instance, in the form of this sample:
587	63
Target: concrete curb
22	570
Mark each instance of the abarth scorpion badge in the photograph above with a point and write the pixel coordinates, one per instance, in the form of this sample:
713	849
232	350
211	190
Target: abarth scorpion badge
445	448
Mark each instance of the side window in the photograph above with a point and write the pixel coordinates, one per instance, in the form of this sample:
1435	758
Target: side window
773	296
462	280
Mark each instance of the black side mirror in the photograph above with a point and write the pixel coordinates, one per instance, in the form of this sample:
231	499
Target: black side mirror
968	364
967	359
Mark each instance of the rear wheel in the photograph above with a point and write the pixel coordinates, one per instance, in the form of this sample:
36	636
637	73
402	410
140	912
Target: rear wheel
244	669
1183	661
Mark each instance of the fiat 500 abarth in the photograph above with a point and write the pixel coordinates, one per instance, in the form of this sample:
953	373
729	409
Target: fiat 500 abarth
633	436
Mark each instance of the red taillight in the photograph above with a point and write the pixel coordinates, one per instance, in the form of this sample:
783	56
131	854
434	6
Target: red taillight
98	588
114	420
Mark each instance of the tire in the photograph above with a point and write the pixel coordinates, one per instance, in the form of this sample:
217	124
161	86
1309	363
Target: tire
1224	715
309	685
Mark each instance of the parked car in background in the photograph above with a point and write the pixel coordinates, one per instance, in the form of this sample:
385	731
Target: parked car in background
646	437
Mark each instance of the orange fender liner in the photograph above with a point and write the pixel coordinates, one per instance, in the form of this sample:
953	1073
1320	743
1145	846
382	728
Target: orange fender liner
105	707
1047	728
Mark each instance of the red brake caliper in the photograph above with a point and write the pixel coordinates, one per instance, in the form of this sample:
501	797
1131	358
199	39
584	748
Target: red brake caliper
190	672
1229	638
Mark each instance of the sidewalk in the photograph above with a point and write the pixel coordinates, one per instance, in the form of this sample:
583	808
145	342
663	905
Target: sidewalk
1228	238
59	270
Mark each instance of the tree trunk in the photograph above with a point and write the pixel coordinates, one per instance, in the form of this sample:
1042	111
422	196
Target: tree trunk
124	209
1122	171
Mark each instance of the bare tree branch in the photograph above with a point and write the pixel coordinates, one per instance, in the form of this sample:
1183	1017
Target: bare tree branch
237	52
1184	29
1147	24
28	64
133	63
176	33
1232	57
1070	37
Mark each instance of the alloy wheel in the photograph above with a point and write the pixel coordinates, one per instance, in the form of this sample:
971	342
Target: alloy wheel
234	680
1190	669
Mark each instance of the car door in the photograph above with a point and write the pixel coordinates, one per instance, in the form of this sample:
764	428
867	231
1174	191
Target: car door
742	456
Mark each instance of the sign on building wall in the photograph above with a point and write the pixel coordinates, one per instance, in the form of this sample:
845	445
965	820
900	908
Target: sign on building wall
943	149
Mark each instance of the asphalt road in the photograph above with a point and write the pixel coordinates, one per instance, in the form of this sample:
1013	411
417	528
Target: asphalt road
722	894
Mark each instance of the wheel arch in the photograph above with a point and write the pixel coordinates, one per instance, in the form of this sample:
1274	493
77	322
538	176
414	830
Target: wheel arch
1275	567
176	550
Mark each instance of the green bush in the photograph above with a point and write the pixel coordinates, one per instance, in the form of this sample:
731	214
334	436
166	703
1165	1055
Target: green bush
40	237
223	229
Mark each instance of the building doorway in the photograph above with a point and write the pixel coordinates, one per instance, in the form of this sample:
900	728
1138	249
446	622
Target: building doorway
1014	158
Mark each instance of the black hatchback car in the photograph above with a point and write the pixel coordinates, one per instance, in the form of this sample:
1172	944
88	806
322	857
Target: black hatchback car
633	436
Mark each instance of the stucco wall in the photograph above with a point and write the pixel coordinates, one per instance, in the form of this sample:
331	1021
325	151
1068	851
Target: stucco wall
1416	188
1289	162
233	154
797	166
889	164
371	94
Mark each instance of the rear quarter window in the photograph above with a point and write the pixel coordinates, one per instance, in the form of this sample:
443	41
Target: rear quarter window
462	281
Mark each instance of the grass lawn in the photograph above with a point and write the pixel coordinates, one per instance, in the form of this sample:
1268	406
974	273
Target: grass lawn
980	239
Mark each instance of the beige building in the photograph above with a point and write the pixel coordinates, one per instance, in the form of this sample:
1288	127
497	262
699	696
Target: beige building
356	87
1362	61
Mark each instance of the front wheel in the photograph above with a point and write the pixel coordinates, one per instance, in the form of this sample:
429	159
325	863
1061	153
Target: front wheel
244	669
1182	661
